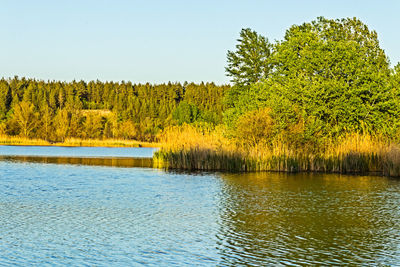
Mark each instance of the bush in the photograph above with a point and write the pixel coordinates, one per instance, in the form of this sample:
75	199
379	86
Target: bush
255	126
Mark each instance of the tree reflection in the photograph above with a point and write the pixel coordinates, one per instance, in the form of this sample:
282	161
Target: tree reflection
270	218
112	162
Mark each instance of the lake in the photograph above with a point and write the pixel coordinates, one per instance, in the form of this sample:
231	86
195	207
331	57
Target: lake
74	214
60	151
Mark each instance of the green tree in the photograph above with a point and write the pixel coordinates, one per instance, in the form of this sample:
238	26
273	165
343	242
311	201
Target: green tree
140	110
249	63
61	124
5	98
186	113
333	75
127	130
46	120
25	117
93	126
255	126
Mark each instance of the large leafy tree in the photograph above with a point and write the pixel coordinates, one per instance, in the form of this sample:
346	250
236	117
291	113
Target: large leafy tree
330	76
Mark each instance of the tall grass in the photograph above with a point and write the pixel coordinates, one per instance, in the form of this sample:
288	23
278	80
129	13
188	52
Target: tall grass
106	143
190	148
74	142
21	141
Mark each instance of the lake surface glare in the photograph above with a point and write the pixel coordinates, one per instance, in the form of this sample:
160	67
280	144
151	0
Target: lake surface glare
62	214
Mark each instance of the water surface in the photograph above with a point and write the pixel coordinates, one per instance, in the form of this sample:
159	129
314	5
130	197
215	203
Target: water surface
91	215
59	151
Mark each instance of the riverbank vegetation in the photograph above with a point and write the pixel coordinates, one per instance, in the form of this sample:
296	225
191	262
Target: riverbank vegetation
195	148
74	142
323	99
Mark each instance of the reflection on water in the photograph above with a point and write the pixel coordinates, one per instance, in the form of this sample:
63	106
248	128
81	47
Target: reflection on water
90	215
309	219
77	152
112	162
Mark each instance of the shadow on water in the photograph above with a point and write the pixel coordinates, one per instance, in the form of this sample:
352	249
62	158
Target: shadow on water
88	216
273	218
102	161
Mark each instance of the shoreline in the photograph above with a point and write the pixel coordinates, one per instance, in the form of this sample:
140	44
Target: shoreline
120	162
148	162
75	142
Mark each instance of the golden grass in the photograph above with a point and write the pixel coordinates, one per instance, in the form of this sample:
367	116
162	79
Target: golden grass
74	142
106	143
99	112
21	141
196	149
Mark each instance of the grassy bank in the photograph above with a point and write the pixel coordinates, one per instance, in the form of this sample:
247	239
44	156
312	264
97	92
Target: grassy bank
74	142
191	149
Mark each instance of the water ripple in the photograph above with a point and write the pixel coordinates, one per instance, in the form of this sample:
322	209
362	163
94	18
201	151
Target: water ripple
84	215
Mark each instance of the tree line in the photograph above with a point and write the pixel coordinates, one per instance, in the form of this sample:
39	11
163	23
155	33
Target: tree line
326	79
54	110
324	98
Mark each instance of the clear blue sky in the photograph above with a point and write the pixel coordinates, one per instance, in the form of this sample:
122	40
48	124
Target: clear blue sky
158	41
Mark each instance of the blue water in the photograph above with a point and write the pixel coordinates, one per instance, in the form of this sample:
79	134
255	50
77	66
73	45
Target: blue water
105	216
62	214
54	151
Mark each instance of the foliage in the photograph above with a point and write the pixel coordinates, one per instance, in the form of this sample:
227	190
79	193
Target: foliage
25	117
5	98
255	126
249	63
73	142
322	99
195	148
328	78
186	113
329	103
98	110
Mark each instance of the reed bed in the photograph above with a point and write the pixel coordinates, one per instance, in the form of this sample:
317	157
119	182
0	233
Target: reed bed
74	142
189	148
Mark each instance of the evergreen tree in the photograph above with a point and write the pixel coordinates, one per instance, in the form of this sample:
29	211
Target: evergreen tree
5	98
97	110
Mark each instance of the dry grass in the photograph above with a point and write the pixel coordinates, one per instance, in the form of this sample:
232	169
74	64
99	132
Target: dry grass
74	142
99	112
21	141
106	143
195	149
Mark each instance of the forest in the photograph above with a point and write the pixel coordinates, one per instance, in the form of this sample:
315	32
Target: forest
54	111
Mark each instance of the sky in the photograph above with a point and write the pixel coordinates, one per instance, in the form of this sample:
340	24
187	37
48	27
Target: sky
159	41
